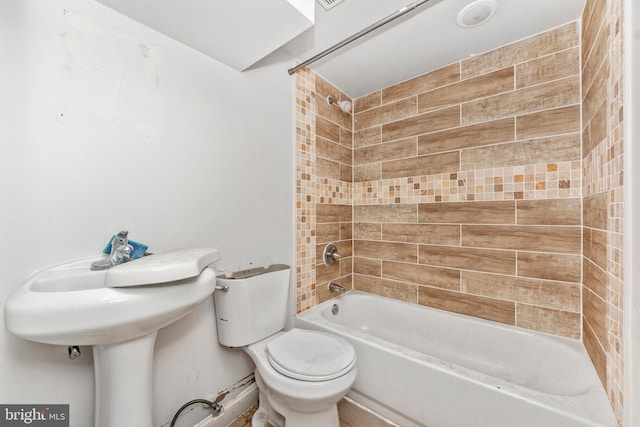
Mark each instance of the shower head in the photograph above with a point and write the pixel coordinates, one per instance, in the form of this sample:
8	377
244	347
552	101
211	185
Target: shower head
343	105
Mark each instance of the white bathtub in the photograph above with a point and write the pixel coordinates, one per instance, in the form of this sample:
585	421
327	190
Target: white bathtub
419	366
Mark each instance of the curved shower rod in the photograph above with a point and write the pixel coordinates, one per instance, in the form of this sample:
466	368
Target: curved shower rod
408	8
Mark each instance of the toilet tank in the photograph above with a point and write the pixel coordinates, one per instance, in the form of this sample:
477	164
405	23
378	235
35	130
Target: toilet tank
254	306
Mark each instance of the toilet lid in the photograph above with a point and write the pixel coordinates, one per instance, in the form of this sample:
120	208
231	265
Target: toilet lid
311	356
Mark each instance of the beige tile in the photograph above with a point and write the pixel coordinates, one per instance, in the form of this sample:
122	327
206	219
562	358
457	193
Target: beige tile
333	213
466	90
404	252
595	247
365	137
327	130
597	56
324	273
369	172
543	150
487	260
445	278
346	138
386	213
367	266
555	66
333	114
596	352
561	267
326	233
386	113
594	278
471	305
446	118
549	122
366	102
421	165
591	25
530	48
428	234
549	212
387	288
595	211
499	212
548	320
595	95
327	168
366	231
346	173
477	135
333	151
346	231
422	83
595	130
522	237
595	313
527	100
545	293
399	149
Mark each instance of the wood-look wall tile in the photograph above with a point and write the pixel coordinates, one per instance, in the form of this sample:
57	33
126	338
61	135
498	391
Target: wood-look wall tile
344	249
387	288
327	168
487	260
530	48
446	118
333	114
594	278
386	213
595	211
556	239
470	305
369	172
404	252
554	94
325	273
368	266
346	231
346	173
597	56
421	165
386	113
333	151
399	149
372	100
594	96
498	212
595	313
591	27
595	246
346	138
560	267
595	130
428	234
548	320
549	122
329	232
422	83
560	148
549	212
466	90
544	293
333	213
366	231
365	137
445	278
555	66
477	135
327	129
596	351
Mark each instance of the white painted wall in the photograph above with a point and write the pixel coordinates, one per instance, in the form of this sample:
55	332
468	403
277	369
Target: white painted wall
107	125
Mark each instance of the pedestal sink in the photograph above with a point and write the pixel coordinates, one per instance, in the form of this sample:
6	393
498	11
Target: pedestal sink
117	311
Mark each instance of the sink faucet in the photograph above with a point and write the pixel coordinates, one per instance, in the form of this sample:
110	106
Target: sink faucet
120	252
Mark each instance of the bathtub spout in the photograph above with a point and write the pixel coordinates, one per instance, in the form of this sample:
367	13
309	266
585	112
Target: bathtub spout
334	287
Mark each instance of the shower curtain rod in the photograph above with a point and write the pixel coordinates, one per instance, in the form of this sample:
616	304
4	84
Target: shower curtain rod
408	8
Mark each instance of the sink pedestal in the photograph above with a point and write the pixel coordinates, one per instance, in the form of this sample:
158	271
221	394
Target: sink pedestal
123	382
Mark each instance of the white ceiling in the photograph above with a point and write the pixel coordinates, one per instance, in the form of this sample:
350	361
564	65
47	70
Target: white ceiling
241	32
423	40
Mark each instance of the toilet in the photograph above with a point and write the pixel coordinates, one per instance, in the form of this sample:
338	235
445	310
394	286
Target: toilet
301	374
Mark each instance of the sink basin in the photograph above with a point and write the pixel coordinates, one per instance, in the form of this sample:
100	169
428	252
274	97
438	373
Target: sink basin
70	304
118	312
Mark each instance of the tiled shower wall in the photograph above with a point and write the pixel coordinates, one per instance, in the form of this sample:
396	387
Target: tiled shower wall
467	183
602	121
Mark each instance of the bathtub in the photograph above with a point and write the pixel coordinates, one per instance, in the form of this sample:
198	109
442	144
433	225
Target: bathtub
419	366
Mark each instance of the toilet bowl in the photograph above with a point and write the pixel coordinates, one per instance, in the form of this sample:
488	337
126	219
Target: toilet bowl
301	374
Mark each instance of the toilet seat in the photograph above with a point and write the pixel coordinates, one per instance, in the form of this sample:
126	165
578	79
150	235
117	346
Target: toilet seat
310	356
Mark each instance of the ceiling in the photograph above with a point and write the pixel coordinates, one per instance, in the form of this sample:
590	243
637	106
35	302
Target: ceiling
422	40
240	33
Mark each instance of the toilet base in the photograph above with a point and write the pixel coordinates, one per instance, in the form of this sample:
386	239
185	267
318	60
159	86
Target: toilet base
273	410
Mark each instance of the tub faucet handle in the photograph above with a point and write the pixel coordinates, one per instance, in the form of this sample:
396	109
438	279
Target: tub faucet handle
330	254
